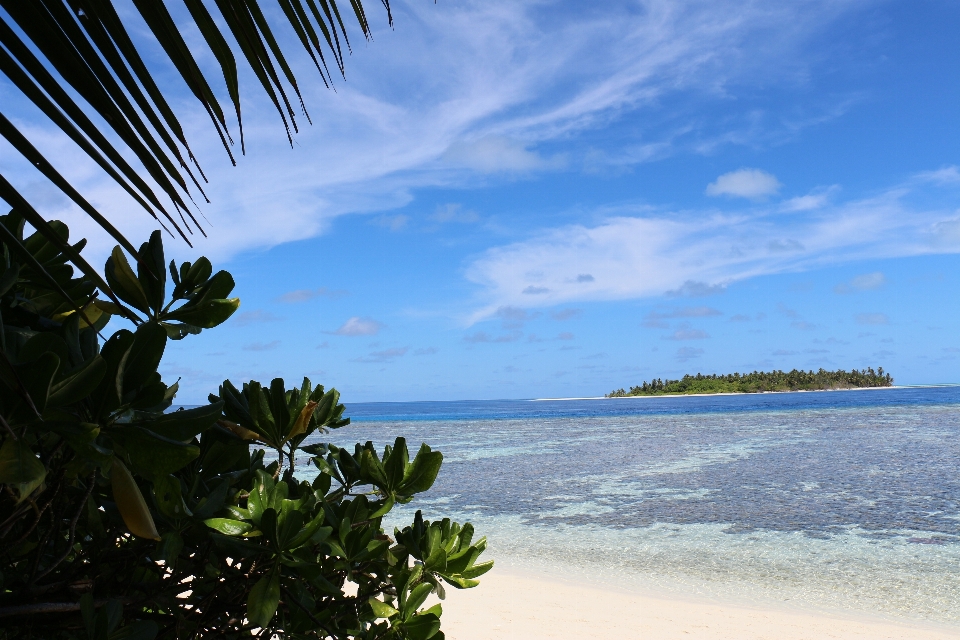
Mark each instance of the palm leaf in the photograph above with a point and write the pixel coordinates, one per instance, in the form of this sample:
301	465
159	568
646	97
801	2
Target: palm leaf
85	45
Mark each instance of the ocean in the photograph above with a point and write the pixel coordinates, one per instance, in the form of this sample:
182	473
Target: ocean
845	502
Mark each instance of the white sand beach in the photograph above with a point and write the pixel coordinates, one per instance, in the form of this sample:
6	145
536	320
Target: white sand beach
512	605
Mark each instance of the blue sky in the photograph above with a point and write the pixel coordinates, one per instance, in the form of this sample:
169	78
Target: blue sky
551	199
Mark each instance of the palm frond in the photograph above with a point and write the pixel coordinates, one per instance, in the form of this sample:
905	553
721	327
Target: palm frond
84	44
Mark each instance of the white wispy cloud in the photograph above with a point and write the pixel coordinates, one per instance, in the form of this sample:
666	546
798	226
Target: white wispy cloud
872	318
357	326
744	183
698	252
863	282
512	79
303	295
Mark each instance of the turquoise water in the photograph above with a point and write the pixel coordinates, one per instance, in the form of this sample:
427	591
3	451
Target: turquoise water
838	501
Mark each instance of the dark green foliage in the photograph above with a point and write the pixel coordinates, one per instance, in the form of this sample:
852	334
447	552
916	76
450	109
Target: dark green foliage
121	519
760	381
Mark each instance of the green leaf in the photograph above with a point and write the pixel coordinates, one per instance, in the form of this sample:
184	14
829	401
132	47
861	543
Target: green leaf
153	455
205	314
477	570
40	343
458	582
382	609
180	331
20	468
133	508
418	595
237	546
385	508
184	424
79	384
142	359
395	463
151	271
372	471
422	627
263	601
421	475
229	527
303	419
197	273
169	547
167	492
124	282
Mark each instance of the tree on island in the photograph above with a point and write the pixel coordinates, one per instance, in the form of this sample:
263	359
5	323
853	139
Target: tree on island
118	518
758	381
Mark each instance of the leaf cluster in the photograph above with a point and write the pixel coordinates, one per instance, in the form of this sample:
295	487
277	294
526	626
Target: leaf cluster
121	518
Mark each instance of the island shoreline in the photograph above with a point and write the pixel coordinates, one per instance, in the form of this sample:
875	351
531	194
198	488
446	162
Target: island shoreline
748	393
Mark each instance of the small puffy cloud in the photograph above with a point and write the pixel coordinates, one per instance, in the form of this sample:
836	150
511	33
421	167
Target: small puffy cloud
810	202
871	318
387	355
694	289
533	290
865	282
484	337
256	316
740	318
454	213
805	203
657	318
803	325
744	183
695	312
425	351
514	318
393	223
688	353
303	295
494	154
262	346
686	333
784	352
585	277
357	326
566	335
786	311
784	246
946	233
566	314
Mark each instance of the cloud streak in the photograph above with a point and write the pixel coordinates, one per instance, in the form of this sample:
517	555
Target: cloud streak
700	252
513	78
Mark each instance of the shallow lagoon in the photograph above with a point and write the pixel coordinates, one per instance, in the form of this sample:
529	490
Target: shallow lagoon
827	500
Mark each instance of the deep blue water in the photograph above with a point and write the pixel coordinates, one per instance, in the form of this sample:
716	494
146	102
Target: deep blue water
846	500
532	409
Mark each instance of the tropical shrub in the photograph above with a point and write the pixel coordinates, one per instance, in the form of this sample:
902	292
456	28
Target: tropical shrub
122	519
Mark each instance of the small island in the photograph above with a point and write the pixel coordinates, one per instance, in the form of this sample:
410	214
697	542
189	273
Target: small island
761	381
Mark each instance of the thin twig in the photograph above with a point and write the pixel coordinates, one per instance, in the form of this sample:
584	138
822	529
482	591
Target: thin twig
73	526
3	421
48	607
32	527
54	520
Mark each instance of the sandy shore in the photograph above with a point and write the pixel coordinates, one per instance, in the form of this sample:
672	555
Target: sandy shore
514	606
